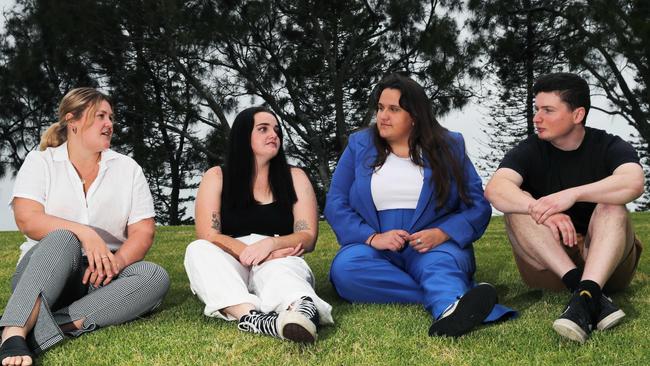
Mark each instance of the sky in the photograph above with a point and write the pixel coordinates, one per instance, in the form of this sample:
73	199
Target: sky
469	121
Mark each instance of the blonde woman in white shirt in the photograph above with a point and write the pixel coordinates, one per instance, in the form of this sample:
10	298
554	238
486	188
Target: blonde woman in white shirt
88	217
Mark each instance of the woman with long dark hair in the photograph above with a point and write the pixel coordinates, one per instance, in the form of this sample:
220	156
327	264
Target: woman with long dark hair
88	217
406	205
254	219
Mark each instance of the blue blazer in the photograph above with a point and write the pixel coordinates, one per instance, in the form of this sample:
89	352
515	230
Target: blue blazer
351	211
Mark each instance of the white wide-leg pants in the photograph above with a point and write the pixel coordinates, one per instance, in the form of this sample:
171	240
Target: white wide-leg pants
220	281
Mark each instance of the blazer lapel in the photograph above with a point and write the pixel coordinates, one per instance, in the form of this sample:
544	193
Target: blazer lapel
365	193
424	200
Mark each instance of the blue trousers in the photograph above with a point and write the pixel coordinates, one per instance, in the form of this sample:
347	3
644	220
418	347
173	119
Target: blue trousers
435	279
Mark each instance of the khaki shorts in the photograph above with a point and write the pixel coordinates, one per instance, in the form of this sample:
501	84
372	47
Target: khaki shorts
546	279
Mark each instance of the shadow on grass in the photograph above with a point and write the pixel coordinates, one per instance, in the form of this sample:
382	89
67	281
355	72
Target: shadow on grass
525	300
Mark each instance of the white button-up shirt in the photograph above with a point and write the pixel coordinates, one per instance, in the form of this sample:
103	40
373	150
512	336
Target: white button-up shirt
118	197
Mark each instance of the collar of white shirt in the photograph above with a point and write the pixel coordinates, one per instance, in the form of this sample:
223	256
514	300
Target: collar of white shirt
61	154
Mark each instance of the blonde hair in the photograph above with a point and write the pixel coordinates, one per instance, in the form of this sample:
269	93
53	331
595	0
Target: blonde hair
76	101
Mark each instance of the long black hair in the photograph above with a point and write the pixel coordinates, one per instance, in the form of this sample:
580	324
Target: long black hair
428	138
239	171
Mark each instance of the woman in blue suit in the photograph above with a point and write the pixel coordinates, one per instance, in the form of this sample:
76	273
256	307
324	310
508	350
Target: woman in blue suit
406	205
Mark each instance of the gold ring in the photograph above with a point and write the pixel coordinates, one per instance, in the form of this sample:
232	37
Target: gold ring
104	256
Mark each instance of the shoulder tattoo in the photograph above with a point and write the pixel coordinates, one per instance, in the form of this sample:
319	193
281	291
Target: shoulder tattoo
300	225
216	224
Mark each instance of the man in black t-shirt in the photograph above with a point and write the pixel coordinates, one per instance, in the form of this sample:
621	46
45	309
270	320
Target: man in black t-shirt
563	192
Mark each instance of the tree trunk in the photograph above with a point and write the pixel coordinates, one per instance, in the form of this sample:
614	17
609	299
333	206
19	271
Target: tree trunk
530	77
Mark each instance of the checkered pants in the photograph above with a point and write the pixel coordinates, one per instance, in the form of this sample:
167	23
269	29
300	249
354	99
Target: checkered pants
53	270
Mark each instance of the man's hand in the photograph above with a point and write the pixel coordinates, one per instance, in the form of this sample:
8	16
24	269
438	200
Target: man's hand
543	208
562	228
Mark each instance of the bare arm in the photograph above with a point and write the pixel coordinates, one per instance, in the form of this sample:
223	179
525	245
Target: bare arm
624	185
504	192
207	213
135	247
32	221
139	239
305	215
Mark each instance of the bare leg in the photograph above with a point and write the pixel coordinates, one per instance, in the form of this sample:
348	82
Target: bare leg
536	246
22	332
72	326
610	238
239	310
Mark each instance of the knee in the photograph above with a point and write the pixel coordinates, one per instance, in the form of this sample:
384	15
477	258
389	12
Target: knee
610	211
342	275
347	262
154	277
199	248
515	220
281	263
508	218
436	265
338	270
200	253
63	240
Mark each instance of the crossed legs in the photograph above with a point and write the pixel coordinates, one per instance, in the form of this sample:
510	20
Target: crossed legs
605	259
276	298
542	260
49	298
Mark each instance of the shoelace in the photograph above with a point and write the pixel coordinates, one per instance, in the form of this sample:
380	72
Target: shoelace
307	308
257	322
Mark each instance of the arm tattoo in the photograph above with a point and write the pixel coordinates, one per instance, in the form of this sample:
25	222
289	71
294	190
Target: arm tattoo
300	225
216	224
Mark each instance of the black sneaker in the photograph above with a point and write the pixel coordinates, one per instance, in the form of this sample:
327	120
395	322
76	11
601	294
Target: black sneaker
575	322
466	313
609	315
259	322
299	323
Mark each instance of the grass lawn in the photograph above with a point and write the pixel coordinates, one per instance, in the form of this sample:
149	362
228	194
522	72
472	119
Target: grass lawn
178	333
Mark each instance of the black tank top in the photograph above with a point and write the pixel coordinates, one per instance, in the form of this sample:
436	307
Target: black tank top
269	219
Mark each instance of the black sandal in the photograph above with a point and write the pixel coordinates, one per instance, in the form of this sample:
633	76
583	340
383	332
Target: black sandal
15	346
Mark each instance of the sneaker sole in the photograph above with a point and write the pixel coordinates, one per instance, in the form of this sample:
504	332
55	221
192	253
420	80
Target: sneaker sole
297	328
610	320
470	311
570	330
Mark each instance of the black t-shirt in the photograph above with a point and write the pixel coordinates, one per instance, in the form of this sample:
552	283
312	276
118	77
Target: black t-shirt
546	169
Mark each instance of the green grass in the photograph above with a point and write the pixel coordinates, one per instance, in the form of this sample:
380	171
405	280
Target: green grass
178	334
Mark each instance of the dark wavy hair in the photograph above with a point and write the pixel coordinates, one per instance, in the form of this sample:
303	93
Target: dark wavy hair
239	169
428	142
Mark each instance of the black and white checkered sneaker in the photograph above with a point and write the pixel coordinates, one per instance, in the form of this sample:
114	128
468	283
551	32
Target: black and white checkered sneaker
259	322
299	323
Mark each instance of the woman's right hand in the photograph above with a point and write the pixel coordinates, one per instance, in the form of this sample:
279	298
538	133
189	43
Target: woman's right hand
102	263
296	251
257	252
393	240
